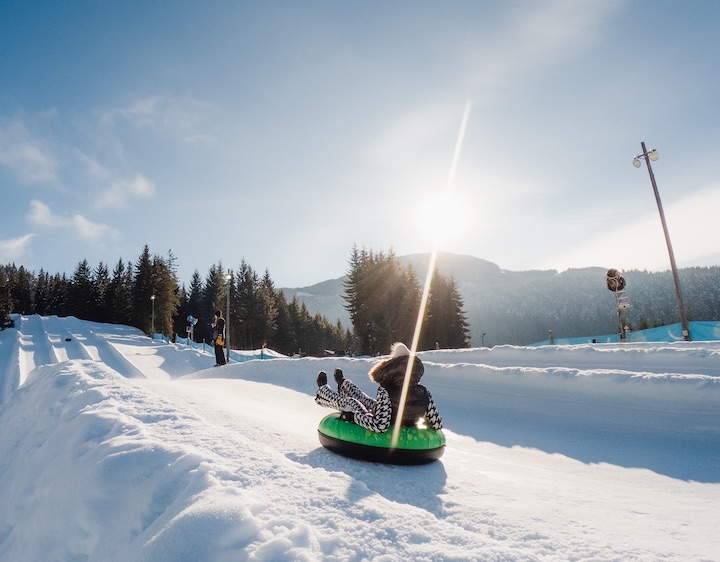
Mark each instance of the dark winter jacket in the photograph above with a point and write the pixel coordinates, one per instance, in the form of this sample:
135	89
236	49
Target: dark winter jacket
219	329
390	375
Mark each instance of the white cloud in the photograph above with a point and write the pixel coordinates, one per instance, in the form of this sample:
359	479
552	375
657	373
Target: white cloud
180	116
412	134
40	215
541	34
120	191
641	244
93	168
114	192
15	248
26	156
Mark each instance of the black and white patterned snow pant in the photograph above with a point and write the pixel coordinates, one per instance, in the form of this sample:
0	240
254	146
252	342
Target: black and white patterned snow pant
373	414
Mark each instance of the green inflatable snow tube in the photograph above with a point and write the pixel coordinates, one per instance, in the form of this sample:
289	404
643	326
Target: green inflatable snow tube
415	446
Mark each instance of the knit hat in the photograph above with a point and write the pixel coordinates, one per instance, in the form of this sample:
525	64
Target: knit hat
398	349
391	371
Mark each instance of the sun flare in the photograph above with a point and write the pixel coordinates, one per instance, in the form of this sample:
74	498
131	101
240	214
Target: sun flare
443	218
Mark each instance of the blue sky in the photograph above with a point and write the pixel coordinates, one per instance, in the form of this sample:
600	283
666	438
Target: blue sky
282	133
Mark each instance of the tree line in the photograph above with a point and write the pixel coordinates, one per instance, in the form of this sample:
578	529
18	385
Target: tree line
521	308
147	294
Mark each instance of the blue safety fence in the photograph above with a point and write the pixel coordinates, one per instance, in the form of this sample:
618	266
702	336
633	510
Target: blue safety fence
237	356
202	346
699	331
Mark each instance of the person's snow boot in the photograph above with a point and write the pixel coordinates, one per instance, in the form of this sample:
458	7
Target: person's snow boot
339	378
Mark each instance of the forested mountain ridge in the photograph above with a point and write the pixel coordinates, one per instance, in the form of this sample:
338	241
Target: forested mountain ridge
520	307
499	306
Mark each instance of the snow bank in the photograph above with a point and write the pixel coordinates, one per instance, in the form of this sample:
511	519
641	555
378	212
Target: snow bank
595	452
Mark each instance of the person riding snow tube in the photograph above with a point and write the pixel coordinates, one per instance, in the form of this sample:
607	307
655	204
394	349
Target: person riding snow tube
363	429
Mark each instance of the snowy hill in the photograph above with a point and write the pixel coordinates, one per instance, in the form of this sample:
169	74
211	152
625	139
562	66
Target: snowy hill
117	447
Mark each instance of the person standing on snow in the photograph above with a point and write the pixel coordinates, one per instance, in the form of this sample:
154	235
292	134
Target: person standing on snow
379	413
218	336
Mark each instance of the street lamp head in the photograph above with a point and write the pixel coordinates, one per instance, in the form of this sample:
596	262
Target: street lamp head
652	154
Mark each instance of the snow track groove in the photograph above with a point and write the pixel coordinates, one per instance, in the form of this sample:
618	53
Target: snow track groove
46	340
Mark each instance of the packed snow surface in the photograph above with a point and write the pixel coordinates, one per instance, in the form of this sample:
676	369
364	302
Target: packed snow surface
117	447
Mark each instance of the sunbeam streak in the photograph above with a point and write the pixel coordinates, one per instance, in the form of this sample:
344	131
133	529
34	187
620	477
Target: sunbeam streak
428	280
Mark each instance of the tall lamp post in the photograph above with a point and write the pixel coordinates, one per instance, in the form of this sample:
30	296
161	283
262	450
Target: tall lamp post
648	155
228	278
152	324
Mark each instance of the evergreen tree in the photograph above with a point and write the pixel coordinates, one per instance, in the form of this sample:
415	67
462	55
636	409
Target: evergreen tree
179	321
143	290
81	292
100	290
358	300
195	295
351	285
22	286
192	306
284	339
245	309
5	300
59	295
119	294
445	324
458	329
298	317
383	300
411	295
387	287
42	293
253	313
267	312
213	299
166	292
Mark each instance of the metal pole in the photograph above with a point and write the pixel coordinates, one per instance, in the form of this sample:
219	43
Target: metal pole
620	319
227	314
152	324
676	279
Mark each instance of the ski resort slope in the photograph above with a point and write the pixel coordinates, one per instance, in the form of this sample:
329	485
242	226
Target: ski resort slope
117	447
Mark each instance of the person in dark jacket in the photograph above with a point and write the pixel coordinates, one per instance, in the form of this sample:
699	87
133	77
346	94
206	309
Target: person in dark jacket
218	326
380	413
